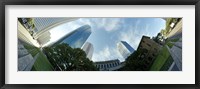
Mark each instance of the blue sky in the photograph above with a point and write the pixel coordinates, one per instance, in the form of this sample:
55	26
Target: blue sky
107	32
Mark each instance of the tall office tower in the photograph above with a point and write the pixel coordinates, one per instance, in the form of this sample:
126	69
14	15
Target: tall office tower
125	49
42	25
88	48
76	38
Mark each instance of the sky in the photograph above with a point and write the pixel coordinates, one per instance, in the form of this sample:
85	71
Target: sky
107	32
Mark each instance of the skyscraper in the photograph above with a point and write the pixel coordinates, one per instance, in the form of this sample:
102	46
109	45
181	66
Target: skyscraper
125	49
88	48
76	38
38	28
42	25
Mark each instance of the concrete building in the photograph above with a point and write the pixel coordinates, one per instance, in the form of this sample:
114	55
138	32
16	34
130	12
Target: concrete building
150	49
176	32
76	38
110	65
125	49
25	36
88	48
39	27
43	25
44	38
176	50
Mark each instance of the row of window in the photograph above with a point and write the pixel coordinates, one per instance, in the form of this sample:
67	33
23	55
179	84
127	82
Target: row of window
41	23
106	66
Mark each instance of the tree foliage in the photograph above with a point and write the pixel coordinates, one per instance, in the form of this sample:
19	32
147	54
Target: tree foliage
65	58
136	62
164	32
159	38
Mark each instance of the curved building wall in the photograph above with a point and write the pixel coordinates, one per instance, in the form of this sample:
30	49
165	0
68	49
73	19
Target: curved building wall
110	65
42	25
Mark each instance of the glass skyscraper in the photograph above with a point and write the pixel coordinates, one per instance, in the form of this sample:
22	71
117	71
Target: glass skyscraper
76	38
125	49
88	48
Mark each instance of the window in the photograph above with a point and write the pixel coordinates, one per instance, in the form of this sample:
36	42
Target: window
110	65
113	64
149	45
145	50
116	63
107	65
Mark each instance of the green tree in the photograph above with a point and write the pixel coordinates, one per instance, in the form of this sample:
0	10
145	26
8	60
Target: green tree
65	58
28	21
163	32
136	62
159	38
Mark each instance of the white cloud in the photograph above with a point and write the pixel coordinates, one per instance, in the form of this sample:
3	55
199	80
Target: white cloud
85	21
111	25
132	38
147	29
108	24
134	34
107	54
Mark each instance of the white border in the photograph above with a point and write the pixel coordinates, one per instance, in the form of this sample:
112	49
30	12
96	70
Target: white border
187	76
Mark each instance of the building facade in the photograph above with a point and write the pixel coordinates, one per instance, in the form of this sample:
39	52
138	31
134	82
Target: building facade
44	38
110	65
88	48
25	36
42	25
76	38
125	49
150	49
39	27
